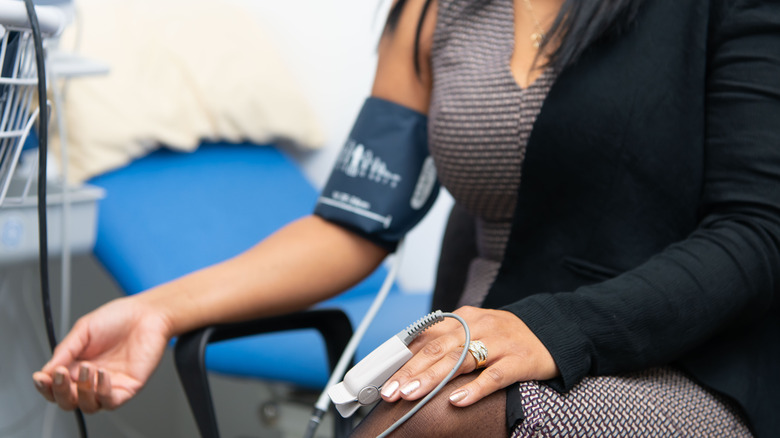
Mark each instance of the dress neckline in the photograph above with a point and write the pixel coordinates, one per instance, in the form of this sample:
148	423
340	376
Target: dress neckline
511	51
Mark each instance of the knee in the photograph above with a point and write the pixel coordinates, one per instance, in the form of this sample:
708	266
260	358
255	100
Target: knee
431	417
438	418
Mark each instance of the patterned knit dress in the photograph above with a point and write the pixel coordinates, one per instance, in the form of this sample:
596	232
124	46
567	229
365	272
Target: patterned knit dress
480	120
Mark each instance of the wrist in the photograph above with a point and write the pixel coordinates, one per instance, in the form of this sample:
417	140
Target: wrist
160	305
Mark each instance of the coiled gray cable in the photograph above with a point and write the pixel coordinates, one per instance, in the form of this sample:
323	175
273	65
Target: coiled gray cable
418	328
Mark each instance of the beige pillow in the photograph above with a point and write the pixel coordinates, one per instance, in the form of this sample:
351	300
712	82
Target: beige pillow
181	71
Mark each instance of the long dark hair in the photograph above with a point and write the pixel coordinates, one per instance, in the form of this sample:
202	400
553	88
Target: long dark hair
578	25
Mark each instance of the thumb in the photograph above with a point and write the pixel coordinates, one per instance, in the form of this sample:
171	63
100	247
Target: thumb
69	349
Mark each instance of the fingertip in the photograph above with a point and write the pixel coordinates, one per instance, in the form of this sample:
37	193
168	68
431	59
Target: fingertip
409	389
86	379
42	384
458	397
390	389
103	383
61	389
103	392
59	377
40	377
38	384
86	388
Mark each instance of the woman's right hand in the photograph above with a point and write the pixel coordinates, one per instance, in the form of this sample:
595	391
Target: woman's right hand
106	358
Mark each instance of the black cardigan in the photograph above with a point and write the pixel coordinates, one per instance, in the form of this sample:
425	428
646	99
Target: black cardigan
647	228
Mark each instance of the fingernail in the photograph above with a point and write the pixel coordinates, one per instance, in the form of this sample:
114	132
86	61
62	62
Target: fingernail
101	377
410	387
458	395
58	378
38	383
390	389
83	374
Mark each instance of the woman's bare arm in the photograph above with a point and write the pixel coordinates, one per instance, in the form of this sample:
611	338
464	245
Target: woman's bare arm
305	262
110	353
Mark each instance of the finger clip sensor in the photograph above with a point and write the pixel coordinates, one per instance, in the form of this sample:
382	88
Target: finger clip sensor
362	383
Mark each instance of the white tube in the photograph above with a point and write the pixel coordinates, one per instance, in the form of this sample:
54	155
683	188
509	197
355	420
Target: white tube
324	401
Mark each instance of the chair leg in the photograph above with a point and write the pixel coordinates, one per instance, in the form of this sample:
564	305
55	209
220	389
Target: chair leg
190	353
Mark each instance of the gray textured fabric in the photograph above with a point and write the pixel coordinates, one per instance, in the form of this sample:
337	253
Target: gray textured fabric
480	121
656	403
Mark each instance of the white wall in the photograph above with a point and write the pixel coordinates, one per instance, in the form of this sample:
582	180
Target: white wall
330	47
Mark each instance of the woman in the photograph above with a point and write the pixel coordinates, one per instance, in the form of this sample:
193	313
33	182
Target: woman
621	163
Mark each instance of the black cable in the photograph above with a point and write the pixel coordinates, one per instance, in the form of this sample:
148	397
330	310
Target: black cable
43	142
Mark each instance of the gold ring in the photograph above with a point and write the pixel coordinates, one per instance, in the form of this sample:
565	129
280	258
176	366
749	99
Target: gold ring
479	351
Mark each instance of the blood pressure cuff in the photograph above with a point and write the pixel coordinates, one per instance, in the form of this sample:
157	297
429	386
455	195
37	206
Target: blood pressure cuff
383	181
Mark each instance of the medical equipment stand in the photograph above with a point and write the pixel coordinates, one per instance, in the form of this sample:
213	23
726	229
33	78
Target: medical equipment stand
23	412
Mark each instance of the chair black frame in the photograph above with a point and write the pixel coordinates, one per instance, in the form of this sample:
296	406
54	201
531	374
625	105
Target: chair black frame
190	351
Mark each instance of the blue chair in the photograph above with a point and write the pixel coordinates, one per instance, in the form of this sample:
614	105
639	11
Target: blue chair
170	213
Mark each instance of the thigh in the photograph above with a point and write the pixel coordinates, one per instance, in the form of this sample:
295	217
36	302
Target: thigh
661	402
439	418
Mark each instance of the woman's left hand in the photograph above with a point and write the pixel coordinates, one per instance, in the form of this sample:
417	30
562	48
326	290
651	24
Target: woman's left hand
514	354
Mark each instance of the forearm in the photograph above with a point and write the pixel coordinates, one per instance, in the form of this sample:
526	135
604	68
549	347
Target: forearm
305	262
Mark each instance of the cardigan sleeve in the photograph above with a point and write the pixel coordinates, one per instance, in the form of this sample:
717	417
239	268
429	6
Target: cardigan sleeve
727	272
